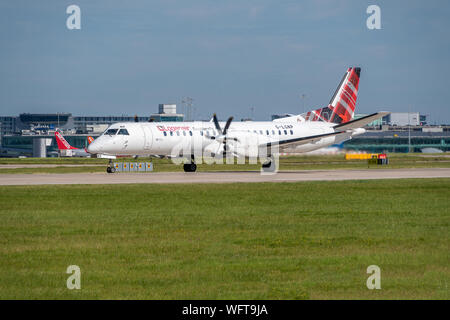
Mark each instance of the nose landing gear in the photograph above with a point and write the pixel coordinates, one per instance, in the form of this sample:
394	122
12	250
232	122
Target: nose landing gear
190	167
110	168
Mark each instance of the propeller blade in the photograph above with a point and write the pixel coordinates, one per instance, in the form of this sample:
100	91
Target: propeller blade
216	123
227	125
232	139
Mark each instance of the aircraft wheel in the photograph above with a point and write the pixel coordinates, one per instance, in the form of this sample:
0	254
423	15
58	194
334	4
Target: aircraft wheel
267	164
190	167
271	166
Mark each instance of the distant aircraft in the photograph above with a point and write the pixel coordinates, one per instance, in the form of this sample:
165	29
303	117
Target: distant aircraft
313	130
67	150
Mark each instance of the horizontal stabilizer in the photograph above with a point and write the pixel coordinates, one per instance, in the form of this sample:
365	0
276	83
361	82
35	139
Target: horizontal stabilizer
361	122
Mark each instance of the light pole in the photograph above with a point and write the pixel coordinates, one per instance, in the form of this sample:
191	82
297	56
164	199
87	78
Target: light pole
409	131
303	100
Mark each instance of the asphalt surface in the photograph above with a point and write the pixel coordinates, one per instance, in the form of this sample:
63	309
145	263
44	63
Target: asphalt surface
22	166
220	177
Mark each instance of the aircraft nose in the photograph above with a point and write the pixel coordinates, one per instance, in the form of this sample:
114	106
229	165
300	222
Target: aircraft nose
94	147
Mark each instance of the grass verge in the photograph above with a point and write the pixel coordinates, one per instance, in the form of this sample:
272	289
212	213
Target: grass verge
309	240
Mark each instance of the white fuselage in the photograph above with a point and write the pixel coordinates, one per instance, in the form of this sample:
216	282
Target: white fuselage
168	138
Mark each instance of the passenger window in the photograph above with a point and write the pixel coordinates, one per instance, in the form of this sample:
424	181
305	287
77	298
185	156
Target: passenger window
184	133
273	132
201	132
165	134
260	131
279	132
267	132
178	133
190	133
171	133
292	132
124	132
285	132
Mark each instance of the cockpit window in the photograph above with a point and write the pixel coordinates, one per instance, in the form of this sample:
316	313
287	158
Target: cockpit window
124	132
111	132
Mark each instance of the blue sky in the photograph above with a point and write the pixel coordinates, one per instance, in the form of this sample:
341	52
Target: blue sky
129	56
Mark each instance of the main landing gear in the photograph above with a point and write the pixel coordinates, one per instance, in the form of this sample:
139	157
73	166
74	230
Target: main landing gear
270	166
110	168
190	167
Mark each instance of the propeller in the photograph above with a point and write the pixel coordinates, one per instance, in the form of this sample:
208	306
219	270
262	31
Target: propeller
222	137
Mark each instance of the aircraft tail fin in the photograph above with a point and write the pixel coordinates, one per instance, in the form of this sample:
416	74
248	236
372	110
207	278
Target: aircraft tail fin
62	143
341	107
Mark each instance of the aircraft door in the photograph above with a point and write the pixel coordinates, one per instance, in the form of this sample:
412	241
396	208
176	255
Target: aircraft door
148	137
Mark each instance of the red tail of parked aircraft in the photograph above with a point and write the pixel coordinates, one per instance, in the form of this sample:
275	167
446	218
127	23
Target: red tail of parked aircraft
62	143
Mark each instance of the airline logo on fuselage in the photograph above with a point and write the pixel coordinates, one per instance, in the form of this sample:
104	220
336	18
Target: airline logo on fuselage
172	128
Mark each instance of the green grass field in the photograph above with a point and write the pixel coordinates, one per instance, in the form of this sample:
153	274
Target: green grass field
309	240
286	163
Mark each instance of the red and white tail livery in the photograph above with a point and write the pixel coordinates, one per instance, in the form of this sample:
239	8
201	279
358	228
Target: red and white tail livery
341	108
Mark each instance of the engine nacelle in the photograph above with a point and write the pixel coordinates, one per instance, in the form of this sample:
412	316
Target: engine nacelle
213	148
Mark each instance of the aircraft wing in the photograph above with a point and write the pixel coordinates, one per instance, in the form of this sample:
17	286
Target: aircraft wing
361	122
302	140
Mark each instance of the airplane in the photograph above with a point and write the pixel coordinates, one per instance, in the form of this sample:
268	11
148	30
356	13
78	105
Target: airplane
64	147
263	140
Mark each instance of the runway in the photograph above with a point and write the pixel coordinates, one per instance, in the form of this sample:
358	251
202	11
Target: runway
219	177
23	166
